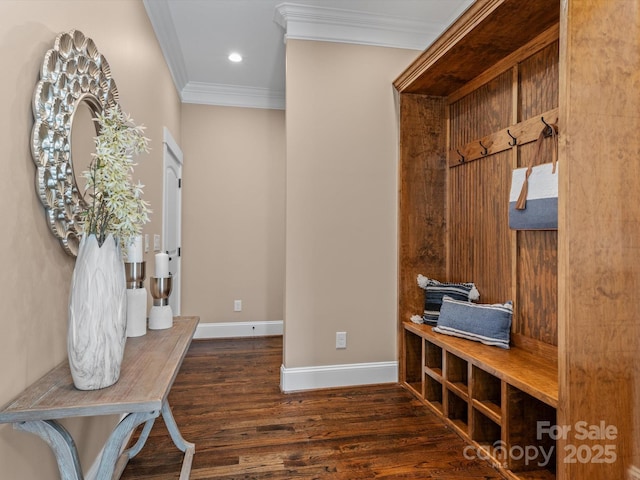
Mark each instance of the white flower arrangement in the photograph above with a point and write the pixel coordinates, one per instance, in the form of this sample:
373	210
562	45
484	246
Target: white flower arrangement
116	206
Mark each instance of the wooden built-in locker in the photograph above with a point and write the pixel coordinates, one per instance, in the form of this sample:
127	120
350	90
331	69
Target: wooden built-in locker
471	108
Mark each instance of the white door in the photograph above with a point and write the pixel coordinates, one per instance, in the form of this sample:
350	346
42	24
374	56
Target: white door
172	214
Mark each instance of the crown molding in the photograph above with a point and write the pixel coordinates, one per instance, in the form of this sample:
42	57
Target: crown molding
299	22
203	93
232	96
306	22
162	24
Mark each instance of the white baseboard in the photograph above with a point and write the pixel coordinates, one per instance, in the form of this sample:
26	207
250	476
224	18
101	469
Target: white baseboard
312	378
239	329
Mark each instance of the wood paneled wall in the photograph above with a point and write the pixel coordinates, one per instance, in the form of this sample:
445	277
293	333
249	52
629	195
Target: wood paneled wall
478	231
453	215
538	83
479	235
422	197
505	265
482	112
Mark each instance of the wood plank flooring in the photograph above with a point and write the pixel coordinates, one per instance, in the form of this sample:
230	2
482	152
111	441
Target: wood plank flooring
226	400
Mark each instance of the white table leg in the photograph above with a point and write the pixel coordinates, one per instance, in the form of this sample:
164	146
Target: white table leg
133	451
60	441
188	448
128	454
66	453
111	452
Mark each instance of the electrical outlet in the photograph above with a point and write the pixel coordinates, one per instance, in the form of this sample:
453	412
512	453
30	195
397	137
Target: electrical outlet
341	339
156	243
146	243
237	305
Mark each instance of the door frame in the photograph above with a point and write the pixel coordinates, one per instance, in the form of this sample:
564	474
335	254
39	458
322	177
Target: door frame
171	148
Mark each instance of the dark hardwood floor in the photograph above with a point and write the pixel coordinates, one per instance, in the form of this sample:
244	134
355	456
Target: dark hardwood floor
226	400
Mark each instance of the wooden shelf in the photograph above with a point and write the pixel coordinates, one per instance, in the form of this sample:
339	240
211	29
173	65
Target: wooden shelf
414	387
433	390
460	389
478	394
535	375
433	357
490	409
435	373
460	54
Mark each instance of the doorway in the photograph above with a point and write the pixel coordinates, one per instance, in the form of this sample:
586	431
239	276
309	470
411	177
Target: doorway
172	214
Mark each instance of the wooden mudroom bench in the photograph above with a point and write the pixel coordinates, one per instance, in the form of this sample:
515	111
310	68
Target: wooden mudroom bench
533	374
470	107
498	400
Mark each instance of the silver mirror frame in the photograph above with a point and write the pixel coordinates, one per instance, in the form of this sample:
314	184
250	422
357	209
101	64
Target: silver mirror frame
73	72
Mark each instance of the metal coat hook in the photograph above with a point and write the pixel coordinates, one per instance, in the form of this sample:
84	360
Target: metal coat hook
515	140
548	129
484	149
461	159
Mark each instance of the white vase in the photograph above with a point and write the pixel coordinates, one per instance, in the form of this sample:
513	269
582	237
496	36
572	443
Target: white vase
97	314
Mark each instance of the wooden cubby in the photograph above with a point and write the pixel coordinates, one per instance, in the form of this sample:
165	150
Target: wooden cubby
485	431
433	359
412	357
486	391
433	394
457	375
457	411
491	77
525	414
493	398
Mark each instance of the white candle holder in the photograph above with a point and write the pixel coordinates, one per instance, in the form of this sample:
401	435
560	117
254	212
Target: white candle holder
136	299
161	315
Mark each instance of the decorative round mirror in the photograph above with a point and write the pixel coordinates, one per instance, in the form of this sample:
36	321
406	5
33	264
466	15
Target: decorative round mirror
75	84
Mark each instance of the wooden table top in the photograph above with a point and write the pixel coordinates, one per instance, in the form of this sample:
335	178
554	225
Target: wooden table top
150	365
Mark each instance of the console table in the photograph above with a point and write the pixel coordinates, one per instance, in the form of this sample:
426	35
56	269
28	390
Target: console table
149	367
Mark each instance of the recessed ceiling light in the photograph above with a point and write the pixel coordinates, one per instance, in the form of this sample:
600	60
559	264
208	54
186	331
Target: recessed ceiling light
235	57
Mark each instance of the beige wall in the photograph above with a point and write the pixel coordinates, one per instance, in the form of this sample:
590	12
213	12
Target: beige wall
341	202
233	213
340	176
36	271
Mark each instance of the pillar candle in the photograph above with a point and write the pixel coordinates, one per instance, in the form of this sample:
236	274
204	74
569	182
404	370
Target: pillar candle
134	250
162	265
136	312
